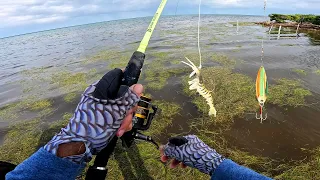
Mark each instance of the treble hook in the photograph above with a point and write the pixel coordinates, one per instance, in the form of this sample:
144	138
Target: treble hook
261	114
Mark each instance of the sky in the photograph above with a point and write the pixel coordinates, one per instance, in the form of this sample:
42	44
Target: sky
26	16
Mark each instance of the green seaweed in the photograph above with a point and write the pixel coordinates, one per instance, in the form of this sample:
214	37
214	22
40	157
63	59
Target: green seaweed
156	79
160	55
223	60
175	62
309	169
300	71
24	138
68	81
120	65
165	117
70	97
40	105
231	92
102	56
287	44
9	112
21	141
243	23
178	47
288	93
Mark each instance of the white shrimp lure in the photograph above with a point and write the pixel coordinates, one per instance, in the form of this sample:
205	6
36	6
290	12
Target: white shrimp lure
196	85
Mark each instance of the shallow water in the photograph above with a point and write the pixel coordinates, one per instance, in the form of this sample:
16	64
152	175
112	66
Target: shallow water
282	136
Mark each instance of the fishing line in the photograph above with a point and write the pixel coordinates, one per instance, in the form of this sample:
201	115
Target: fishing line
195	84
262	42
175	14
199	20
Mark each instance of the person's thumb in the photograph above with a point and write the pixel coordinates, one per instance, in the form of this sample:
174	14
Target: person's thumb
137	88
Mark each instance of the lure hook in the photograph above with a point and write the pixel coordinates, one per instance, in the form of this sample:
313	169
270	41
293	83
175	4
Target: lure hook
260	116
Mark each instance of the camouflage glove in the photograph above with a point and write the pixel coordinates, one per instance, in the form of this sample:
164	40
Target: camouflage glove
97	117
191	151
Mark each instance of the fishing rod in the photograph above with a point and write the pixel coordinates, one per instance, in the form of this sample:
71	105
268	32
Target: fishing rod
145	113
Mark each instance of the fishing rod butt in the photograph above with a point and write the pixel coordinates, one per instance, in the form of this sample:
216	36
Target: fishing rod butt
133	69
96	173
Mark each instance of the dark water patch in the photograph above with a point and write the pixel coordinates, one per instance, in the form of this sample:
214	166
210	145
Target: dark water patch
61	107
286	135
314	36
17	66
8	93
172	93
3	133
160	47
55	113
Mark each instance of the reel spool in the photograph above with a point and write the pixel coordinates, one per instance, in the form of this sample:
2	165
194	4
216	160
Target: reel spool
144	114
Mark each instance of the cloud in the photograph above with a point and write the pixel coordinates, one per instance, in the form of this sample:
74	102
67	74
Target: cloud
27	12
274	4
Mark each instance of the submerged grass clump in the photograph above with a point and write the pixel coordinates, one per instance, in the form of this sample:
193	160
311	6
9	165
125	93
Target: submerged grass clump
287	44
162	56
212	134
317	72
305	170
156	79
40	105
118	65
9	112
232	93
70	97
288	93
71	82
21	141
300	72
164	118
12	111
243	23
24	138
102	56
223	60
156	74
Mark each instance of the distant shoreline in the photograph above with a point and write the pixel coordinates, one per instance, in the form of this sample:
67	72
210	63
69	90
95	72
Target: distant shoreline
304	21
307	26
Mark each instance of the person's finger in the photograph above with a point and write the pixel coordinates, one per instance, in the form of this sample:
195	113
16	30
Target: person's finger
125	124
183	165
174	163
161	149
129	128
164	158
137	88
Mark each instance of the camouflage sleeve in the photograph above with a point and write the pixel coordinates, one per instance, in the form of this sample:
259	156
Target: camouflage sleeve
95	121
194	153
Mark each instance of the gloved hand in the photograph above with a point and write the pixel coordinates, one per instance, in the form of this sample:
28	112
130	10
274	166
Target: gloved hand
103	108
192	152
